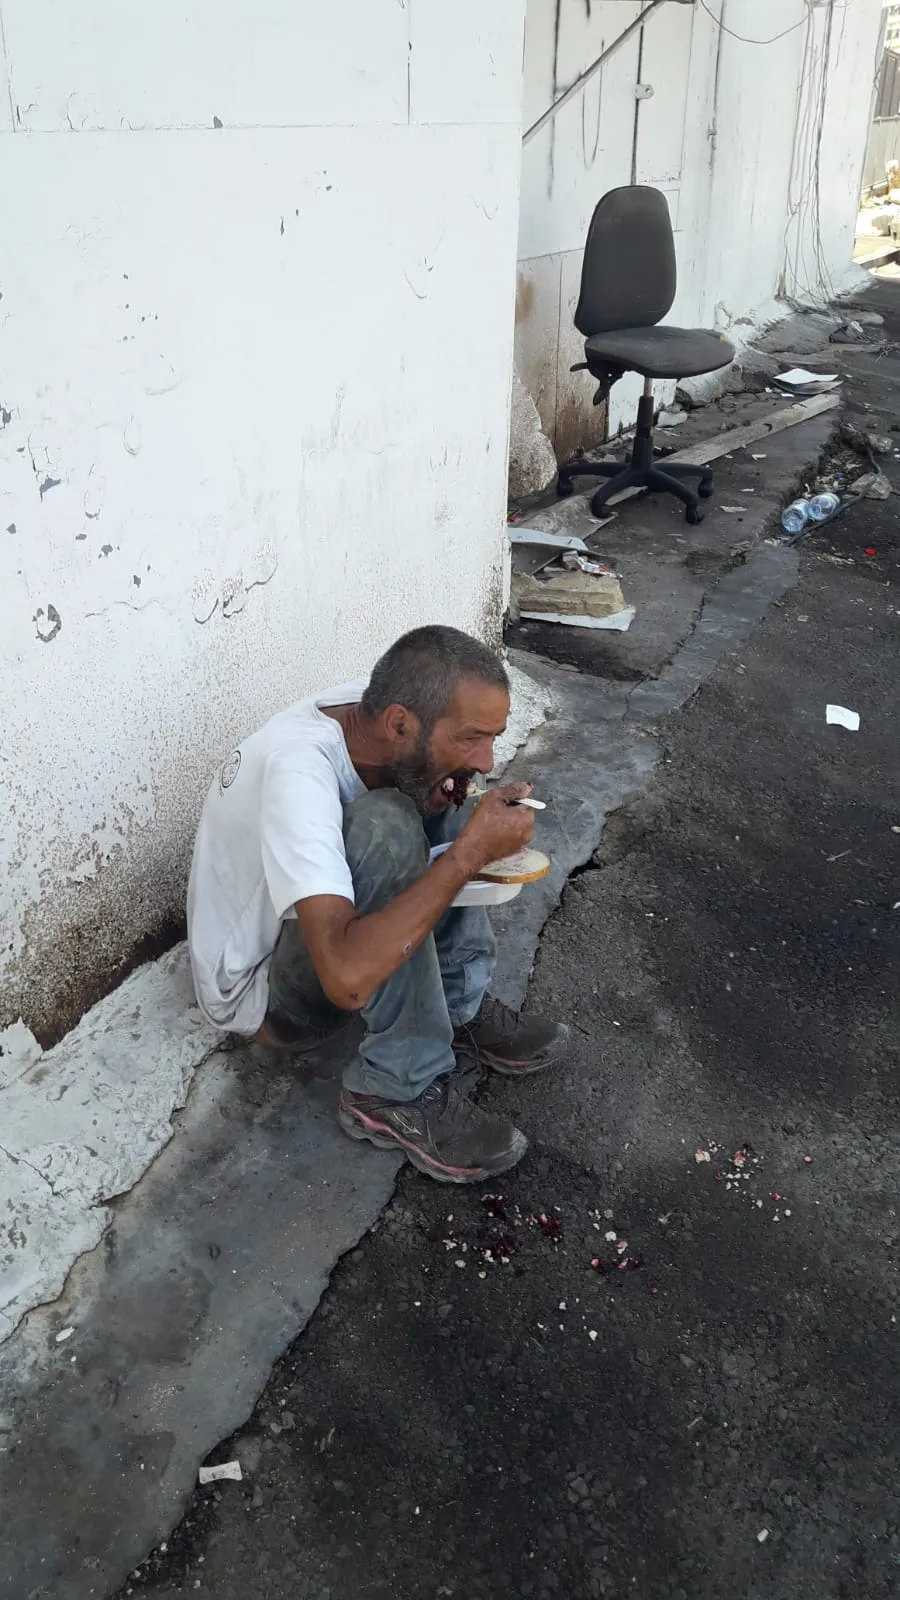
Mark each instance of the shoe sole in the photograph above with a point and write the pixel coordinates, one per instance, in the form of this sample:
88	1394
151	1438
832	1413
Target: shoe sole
384	1139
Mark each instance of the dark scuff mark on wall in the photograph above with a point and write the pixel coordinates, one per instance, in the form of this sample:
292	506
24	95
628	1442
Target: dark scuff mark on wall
47	623
590	159
5	417
87	933
579	424
713	134
47	485
524	299
489	625
11	528
554	90
216	122
84	984
635	142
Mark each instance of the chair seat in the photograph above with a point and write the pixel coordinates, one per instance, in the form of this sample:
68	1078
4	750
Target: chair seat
661	352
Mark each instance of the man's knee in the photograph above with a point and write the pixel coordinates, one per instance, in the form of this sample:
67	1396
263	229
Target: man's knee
384	841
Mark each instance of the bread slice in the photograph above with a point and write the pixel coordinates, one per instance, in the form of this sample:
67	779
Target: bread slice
526	866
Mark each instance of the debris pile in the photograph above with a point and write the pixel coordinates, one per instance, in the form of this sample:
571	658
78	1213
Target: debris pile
851	473
496	1241
880	205
623	1262
736	1174
503	1234
550	1224
803	384
556	578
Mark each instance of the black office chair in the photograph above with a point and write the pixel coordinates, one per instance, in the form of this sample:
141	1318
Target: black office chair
628	282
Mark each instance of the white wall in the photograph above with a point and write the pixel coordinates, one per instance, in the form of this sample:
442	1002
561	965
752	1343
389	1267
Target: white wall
730	134
786	184
255	389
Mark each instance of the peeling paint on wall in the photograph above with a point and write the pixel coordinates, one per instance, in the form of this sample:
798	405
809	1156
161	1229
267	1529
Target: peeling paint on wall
47	623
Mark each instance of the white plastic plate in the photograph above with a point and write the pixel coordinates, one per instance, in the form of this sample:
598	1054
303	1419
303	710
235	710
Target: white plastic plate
478	893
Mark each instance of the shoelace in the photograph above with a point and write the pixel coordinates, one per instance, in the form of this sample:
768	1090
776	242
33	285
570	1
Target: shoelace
448	1098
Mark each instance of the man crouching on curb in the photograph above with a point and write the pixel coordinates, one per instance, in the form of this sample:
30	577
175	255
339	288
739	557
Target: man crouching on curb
311	897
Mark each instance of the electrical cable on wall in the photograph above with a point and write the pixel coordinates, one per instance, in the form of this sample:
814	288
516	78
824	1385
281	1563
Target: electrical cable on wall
805	216
810	106
741	37
805	212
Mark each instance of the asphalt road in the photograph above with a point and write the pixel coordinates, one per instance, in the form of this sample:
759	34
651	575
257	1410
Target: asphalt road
717	1415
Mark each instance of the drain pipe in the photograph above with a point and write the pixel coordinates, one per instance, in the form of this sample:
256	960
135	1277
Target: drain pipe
595	66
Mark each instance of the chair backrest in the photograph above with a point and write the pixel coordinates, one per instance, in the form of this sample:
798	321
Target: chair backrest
628	277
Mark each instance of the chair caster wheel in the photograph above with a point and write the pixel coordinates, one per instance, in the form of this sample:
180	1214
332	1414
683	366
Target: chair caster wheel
598	504
706	488
695	514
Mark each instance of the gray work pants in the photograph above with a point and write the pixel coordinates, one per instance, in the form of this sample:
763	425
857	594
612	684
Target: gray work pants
411	1018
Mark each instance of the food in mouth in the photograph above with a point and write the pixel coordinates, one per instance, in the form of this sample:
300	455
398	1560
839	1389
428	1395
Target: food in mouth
457	788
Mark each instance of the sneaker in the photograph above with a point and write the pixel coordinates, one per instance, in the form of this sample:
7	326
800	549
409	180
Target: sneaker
442	1133
512	1042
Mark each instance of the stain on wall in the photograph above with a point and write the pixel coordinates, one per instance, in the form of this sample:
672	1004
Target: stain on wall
547	345
524	298
579	423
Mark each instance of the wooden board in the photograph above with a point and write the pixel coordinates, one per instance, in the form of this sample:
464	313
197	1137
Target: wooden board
722	444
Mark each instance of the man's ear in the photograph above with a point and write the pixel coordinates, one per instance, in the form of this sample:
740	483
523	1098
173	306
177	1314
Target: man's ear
401	726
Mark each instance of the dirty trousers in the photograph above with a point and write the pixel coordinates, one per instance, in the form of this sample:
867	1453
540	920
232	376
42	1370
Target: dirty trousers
410	1019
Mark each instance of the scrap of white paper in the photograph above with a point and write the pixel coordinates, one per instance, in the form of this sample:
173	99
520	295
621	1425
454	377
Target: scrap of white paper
556	541
842	717
620	621
227	1469
800	377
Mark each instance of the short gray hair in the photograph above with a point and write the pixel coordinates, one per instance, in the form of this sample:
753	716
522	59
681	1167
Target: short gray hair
422	669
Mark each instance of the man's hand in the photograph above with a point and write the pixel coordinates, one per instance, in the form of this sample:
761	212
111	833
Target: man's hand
496	827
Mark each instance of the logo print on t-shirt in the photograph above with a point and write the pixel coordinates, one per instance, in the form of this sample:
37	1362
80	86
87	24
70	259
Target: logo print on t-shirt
230	769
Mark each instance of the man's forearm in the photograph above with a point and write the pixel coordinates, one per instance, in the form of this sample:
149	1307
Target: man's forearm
372	947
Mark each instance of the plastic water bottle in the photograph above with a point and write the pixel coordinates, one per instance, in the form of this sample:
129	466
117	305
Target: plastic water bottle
823	506
795	516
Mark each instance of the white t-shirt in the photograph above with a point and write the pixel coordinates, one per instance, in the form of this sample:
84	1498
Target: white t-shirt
271	833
